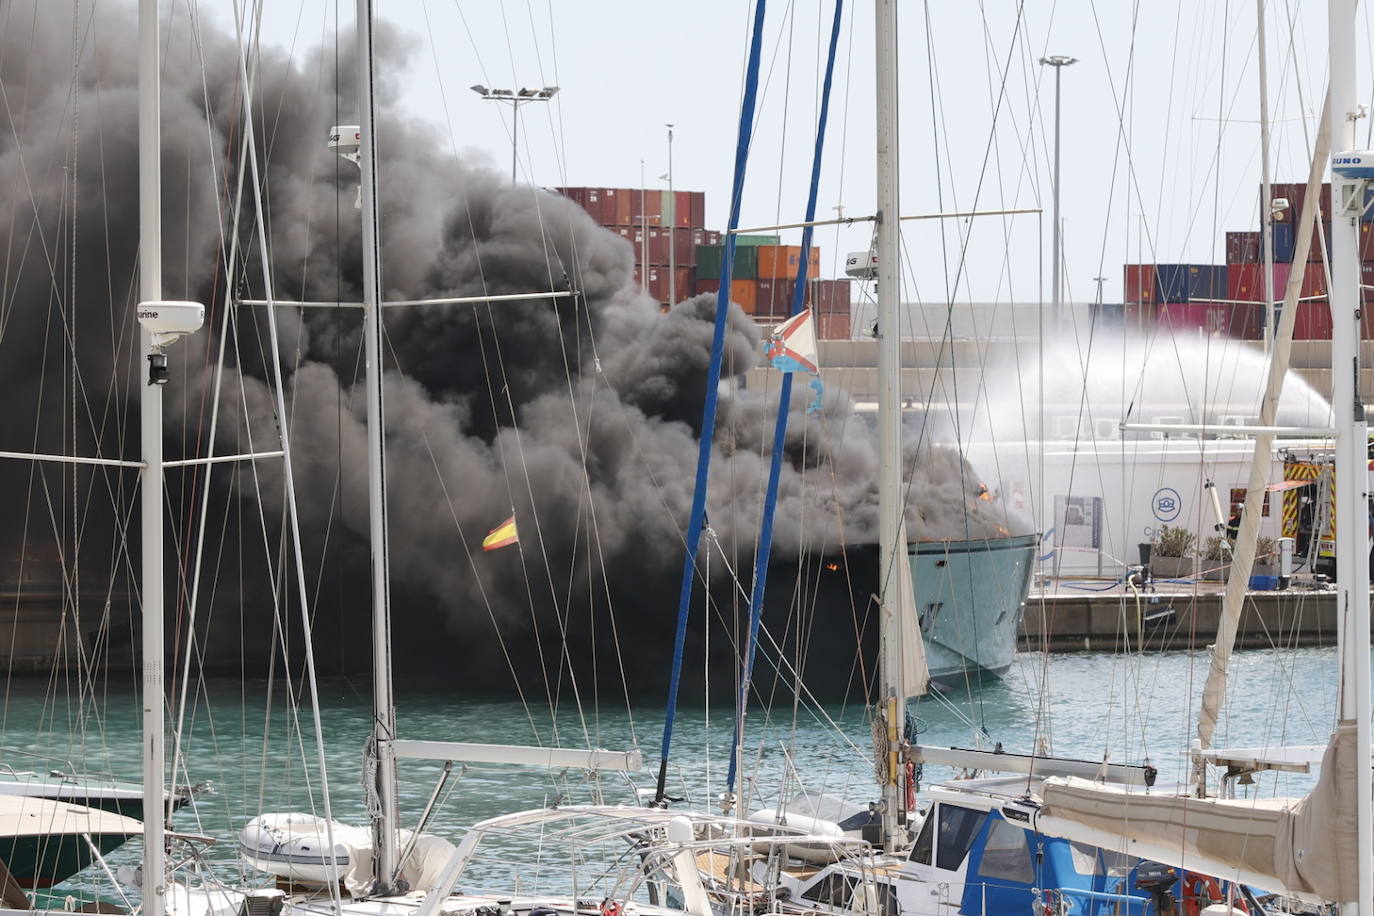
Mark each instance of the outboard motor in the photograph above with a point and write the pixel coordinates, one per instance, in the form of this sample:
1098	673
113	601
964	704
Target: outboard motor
1158	881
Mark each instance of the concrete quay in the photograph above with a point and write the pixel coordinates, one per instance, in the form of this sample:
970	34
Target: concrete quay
1065	616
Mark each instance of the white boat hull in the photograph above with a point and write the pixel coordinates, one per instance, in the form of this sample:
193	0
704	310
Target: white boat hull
970	598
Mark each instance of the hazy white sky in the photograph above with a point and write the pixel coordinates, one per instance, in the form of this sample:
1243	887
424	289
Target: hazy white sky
1160	144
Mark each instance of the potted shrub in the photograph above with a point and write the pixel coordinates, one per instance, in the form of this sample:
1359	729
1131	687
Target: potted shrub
1216	558
1172	555
1266	557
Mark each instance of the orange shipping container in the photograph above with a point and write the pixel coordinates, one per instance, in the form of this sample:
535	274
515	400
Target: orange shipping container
779	262
745	293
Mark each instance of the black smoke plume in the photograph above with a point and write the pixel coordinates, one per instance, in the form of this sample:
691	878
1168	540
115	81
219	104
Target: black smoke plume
581	414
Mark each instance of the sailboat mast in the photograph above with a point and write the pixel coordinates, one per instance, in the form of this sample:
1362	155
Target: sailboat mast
1266	188
1352	443
891	532
383	705
150	432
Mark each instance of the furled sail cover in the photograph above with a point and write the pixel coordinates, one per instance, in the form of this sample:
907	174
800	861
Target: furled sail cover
1307	845
915	671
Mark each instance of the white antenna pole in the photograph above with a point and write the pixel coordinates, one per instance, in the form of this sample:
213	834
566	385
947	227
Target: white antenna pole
1352	444
1266	189
891	531
384	819
150	423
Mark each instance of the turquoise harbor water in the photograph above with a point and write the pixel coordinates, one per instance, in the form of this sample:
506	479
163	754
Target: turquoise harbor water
1135	708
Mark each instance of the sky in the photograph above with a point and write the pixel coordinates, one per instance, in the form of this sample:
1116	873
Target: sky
1159	144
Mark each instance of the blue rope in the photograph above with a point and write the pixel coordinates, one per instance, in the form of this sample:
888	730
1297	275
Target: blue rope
770	503
708	420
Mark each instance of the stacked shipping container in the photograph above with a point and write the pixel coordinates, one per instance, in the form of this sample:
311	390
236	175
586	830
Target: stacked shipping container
664	229
657	224
1169	294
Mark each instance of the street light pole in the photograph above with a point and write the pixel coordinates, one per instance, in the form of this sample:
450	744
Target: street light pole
1058	62
515	97
672	226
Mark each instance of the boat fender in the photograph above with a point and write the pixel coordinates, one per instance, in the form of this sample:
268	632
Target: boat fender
611	907
911	785
543	911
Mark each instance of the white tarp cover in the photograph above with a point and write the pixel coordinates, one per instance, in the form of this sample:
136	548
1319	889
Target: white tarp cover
1308	844
421	870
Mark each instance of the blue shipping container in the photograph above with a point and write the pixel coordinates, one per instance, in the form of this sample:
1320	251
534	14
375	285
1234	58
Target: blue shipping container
1284	242
1189	282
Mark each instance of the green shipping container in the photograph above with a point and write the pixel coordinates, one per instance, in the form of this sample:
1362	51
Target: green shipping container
753	240
709	259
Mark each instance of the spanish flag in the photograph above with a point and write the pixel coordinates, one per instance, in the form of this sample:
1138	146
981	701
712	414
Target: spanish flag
503	535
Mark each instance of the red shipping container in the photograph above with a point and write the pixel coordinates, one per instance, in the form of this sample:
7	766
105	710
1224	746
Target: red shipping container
698	209
772	296
1243	247
833	327
1313	321
619	205
685	242
647	207
1245	321
628	234
831	297
1295	194
707	286
712	237
1367	300
1314	251
775	298
1139	317
682	209
1366	243
682	288
602	207
1245	282
1313	282
576	195
659	240
1140	285
588	199
1191	317
661	288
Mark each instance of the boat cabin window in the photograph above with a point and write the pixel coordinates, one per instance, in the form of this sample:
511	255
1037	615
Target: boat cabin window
955	832
925	840
839	890
1084	859
835	889
1091	861
1006	854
